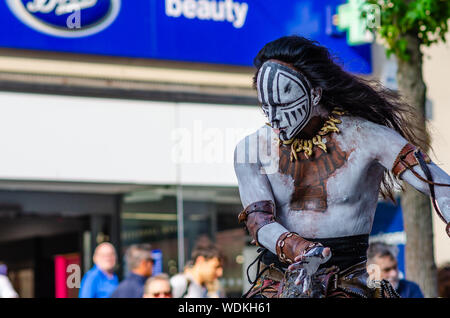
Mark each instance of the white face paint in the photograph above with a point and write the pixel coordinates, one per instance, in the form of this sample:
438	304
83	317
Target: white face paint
285	97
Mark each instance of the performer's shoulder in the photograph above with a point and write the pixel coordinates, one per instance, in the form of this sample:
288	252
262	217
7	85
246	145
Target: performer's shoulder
263	130
364	128
249	143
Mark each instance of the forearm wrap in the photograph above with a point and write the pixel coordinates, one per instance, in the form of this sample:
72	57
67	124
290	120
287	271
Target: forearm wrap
256	215
406	159
290	245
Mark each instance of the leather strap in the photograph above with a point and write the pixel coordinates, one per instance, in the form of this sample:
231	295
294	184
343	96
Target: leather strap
406	159
431	184
257	215
290	245
411	156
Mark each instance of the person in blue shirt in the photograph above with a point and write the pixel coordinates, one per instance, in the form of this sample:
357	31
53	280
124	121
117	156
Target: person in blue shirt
100	281
140	265
383	257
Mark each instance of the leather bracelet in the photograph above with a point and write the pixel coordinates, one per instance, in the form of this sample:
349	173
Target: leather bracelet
406	159
260	206
290	245
257	215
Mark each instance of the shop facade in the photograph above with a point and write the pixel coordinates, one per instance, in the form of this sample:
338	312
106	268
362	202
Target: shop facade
123	129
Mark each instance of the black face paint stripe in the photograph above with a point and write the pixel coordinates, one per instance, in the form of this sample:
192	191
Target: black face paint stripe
278	87
262	72
294	115
269	83
301	125
295	80
288	118
295	104
297	76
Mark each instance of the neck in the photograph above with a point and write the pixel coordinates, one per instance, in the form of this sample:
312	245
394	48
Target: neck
315	123
106	272
196	275
138	272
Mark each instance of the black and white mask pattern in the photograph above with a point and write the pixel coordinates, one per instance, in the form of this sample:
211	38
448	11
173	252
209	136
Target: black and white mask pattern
285	97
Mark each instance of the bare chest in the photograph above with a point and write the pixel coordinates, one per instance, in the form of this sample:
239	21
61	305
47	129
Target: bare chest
341	175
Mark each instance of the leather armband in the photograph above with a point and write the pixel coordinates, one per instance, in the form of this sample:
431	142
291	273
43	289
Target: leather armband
290	245
256	215
406	159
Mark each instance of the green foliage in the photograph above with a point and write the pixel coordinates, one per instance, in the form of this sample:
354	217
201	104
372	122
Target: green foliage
425	19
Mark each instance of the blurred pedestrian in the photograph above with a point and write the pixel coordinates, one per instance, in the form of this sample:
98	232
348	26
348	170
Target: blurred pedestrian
207	265
158	286
140	265
444	281
383	256
215	288
100	281
6	288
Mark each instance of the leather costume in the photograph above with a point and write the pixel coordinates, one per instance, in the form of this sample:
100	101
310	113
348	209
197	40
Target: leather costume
410	156
345	274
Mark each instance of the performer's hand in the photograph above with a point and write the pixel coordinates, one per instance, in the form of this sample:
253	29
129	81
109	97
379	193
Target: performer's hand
308	264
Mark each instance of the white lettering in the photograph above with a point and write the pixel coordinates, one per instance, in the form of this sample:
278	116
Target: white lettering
226	10
189	8
218	12
229	10
174	8
74	279
203	10
74	20
59	6
241	14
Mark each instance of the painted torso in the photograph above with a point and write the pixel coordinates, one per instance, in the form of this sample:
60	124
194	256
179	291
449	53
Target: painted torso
331	194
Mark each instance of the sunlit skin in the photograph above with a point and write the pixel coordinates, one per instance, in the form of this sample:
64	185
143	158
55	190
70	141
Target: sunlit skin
159	288
105	258
145	267
352	190
388	269
206	270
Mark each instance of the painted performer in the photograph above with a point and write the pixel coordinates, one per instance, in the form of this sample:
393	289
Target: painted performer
310	179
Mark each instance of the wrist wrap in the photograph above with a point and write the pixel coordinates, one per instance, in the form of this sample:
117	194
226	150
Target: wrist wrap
256	215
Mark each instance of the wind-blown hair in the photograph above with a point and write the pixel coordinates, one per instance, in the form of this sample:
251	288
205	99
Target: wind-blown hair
360	97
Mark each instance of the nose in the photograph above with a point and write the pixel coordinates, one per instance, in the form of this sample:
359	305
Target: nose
274	117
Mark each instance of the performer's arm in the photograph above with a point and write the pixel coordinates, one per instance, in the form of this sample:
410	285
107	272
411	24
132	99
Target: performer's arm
396	154
439	176
260	210
254	188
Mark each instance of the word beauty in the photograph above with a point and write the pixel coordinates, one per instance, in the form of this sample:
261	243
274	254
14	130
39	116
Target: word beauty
228	10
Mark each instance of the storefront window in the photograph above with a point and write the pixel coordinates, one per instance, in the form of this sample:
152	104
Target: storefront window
150	216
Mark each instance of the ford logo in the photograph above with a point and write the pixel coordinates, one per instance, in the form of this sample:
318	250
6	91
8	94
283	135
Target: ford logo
66	18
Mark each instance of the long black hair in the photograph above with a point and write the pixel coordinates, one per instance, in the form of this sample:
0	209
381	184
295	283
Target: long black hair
358	96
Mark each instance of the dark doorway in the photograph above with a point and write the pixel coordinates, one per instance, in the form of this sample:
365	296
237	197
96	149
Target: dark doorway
30	260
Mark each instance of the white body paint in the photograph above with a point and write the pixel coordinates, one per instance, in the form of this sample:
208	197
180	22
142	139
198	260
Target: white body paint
352	191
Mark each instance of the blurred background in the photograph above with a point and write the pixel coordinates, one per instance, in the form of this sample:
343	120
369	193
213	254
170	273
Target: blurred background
118	123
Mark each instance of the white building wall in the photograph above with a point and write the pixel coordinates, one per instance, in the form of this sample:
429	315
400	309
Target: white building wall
64	138
436	72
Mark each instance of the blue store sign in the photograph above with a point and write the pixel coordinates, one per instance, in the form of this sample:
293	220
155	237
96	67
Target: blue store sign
63	18
207	31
